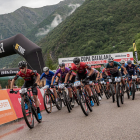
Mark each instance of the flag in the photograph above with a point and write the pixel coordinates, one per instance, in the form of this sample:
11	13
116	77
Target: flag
135	50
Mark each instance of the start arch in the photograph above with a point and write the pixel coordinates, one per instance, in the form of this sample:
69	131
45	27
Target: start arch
24	47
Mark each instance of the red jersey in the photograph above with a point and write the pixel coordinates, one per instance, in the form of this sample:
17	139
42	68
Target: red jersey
28	76
81	69
108	72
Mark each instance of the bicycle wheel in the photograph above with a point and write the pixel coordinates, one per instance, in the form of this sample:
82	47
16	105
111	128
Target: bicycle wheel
95	97
59	102
76	98
133	91
122	95
28	114
67	101
48	102
118	95
88	101
35	113
113	93
127	91
82	101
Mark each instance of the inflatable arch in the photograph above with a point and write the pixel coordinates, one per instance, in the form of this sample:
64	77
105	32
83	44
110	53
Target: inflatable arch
24	47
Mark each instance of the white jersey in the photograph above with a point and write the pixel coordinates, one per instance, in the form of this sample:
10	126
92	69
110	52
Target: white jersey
94	71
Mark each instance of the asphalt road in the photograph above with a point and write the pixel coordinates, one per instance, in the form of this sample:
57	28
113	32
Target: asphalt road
106	122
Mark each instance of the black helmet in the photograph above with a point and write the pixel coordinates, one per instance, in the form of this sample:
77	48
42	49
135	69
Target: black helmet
61	64
76	60
129	62
22	64
111	59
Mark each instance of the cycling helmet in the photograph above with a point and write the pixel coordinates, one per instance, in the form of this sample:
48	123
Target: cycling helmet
111	59
101	68
138	62
54	71
45	69
129	62
122	61
76	60
61	64
22	64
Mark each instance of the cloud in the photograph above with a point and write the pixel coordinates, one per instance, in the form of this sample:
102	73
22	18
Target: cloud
74	7
42	31
8	6
57	20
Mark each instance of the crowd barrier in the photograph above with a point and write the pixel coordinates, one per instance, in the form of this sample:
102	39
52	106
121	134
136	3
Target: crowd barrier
10	105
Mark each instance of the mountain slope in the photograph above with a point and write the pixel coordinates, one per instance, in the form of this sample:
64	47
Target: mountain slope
97	27
65	9
23	20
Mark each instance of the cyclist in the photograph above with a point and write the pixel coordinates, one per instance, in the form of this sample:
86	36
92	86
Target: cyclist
48	75
62	71
122	62
29	77
112	66
131	69
104	75
95	77
81	69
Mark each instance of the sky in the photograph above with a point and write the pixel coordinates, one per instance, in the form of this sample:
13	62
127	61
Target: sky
8	6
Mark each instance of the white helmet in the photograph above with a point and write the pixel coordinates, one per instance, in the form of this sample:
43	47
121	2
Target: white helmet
54	71
45	69
138	62
122	61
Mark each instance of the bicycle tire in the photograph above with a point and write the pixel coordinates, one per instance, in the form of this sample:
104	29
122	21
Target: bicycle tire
59	103
113	93
66	101
81	98
122	95
95	97
127	91
118	95
88	101
35	113
48	97
76	99
24	112
133	91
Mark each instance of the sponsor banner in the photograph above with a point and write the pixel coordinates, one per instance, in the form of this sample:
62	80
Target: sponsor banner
96	66
98	59
8	72
16	101
7	112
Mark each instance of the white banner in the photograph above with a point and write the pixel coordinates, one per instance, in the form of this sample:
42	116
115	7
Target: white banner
98	59
4	105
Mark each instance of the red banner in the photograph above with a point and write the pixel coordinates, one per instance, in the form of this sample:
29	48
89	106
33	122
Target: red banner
16	101
7	112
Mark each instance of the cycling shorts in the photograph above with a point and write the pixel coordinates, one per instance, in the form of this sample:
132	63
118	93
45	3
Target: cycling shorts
29	84
80	76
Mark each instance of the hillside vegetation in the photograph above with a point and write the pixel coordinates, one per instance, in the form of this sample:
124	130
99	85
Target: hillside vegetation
97	27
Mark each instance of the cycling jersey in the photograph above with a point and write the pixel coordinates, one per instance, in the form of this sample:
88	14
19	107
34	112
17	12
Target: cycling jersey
29	76
103	72
48	77
81	69
131	70
122	71
115	67
62	73
94	71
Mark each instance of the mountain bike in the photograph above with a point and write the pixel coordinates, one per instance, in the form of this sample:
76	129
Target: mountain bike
32	110
50	99
66	97
83	97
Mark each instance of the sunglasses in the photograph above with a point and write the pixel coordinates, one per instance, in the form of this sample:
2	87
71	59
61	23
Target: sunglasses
22	68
